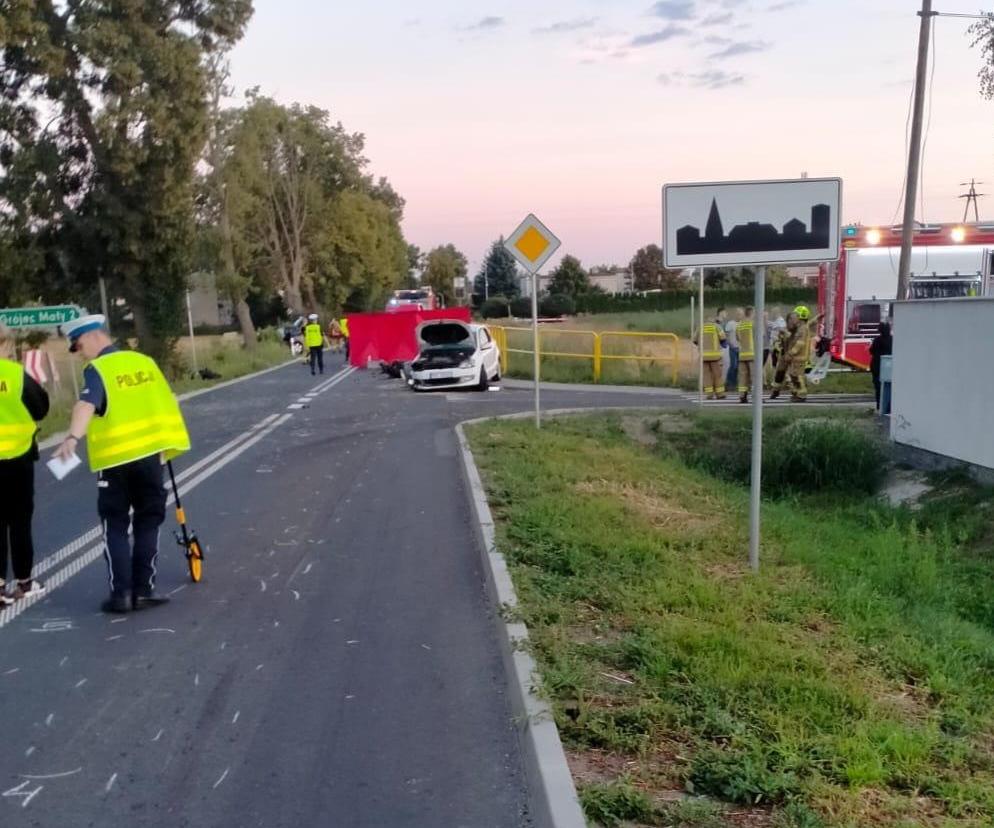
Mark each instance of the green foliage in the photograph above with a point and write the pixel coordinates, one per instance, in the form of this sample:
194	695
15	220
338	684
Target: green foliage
848	683
569	278
442	266
680	299
104	122
521	307
648	272
496	307
498	275
612	804
556	305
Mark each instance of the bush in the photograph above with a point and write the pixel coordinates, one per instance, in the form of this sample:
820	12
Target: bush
679	299
494	308
812	455
557	304
521	307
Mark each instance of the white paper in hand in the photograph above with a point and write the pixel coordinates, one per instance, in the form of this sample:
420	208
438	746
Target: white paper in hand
60	468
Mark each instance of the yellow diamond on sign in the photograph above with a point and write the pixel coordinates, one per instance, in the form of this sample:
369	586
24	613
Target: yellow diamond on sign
532	244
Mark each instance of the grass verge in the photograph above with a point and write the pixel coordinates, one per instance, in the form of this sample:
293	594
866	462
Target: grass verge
850	683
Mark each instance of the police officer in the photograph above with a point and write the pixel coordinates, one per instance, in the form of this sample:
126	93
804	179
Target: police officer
132	422
23	402
314	340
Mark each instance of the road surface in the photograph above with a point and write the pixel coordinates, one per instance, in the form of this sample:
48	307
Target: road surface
338	665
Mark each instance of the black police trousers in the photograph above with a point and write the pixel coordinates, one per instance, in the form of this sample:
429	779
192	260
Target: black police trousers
17	503
317	358
132	496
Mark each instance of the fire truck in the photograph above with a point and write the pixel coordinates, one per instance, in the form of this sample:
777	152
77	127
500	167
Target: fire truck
855	293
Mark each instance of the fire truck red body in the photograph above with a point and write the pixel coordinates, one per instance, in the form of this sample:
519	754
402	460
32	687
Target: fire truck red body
855	293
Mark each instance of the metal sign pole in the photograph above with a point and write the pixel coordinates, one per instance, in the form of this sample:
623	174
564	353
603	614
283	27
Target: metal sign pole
755	498
700	344
193	342
538	408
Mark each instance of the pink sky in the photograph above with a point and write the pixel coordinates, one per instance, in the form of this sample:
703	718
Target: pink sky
481	112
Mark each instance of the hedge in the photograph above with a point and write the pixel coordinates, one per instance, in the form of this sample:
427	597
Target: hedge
677	299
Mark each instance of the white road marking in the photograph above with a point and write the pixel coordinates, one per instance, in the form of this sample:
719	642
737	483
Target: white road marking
158	630
180	588
37	776
222	778
114	638
18	791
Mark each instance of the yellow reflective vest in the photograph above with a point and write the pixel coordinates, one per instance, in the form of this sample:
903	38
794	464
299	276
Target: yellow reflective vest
142	416
17	428
313	336
747	340
711	339
343	323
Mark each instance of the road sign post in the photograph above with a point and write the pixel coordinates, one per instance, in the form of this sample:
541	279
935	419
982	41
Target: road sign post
51	316
532	245
767	221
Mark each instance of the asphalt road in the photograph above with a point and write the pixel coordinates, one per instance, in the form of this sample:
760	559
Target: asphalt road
338	665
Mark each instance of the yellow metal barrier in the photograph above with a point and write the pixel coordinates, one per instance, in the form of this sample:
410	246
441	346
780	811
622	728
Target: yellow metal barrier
597	354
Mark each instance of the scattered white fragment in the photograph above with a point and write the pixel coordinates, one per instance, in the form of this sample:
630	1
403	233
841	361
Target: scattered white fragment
296	595
81	682
49	719
353	641
158	630
158	735
235	717
110	783
258	668
425	646
222	777
30	750
12	671
114	638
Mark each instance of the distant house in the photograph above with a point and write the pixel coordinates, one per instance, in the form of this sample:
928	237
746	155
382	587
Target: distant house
612	279
206	305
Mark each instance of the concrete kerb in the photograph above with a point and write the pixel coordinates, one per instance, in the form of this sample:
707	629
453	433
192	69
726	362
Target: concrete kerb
56	439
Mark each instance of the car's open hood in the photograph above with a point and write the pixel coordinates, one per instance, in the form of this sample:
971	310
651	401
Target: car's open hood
445	333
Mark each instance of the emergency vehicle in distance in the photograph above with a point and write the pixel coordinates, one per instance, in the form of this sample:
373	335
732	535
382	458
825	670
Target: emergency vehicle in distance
856	293
418	299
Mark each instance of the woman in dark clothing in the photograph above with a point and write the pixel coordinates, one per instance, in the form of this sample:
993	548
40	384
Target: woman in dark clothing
882	345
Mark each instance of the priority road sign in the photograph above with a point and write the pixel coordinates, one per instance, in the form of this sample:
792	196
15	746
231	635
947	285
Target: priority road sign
532	244
41	317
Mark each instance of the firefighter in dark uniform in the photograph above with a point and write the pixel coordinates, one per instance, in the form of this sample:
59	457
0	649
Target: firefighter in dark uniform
132	422
23	402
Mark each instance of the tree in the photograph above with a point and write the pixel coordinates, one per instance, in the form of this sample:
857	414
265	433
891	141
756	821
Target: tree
498	274
983	36
103	117
648	272
569	278
443	266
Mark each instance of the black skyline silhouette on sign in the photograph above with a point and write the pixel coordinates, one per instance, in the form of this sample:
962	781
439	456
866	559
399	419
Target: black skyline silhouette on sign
755	237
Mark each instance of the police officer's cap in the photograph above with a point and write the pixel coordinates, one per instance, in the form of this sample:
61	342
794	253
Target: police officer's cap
313	317
75	329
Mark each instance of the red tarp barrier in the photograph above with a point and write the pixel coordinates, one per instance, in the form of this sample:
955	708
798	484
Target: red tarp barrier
390	337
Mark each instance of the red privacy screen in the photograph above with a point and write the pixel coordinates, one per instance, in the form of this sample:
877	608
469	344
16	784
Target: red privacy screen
390	337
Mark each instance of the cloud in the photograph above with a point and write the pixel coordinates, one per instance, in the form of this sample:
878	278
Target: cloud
710	79
673	9
743	47
485	24
414	21
717	19
659	37
566	26
783	5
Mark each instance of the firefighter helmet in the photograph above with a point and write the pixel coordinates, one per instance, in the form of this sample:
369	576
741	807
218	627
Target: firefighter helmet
803	313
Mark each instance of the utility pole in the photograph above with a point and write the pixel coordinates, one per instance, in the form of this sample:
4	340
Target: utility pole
914	151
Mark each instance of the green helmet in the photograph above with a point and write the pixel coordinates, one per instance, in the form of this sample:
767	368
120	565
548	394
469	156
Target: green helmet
802	313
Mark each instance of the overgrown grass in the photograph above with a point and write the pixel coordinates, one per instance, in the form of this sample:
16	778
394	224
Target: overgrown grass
226	358
850	683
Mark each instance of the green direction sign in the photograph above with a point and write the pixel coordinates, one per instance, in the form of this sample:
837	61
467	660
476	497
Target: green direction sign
47	317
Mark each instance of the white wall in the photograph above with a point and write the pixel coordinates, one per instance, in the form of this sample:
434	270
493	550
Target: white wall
943	393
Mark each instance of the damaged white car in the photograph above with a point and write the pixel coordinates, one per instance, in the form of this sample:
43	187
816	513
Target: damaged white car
453	354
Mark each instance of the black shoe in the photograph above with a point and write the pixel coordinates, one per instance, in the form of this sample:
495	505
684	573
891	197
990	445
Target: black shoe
775	393
118	603
149	601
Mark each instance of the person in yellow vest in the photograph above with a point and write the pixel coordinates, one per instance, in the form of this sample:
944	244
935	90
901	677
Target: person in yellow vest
343	323
746	334
314	340
335	335
711	342
23	403
132	423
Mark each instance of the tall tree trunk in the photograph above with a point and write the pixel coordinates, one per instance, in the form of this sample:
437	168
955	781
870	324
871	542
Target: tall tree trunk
245	323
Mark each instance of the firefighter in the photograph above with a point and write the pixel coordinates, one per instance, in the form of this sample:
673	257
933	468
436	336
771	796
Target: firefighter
131	422
711	342
796	352
747	353
314	340
343	324
335	335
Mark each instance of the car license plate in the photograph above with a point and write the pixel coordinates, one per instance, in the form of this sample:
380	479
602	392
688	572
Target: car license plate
441	374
